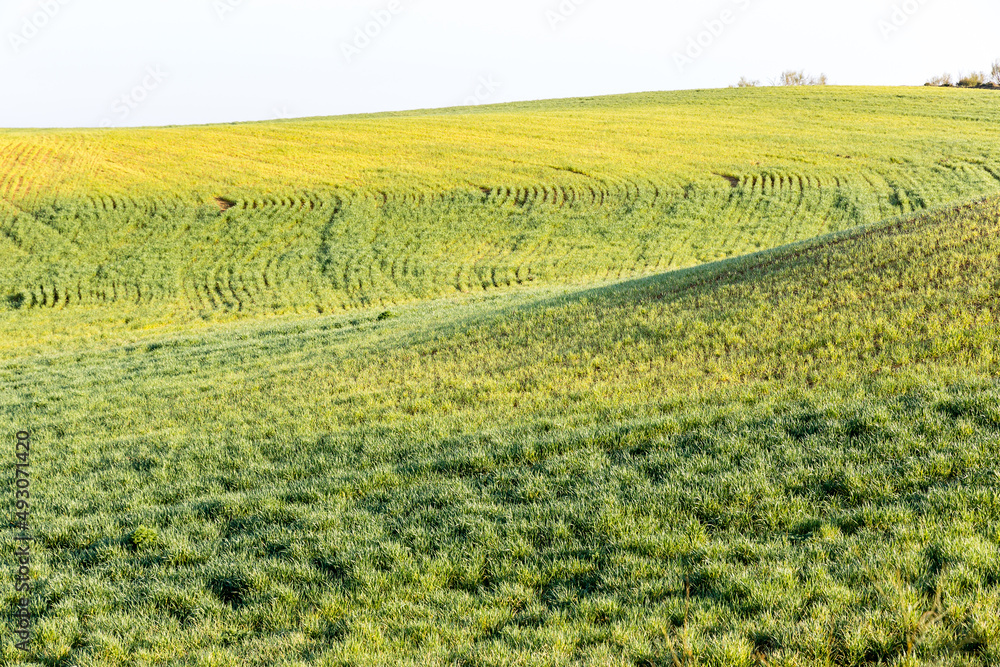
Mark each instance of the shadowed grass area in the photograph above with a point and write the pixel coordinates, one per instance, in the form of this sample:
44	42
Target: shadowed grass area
788	458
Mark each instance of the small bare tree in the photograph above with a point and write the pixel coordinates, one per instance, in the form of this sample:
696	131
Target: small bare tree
972	80
944	80
995	73
791	78
800	78
746	83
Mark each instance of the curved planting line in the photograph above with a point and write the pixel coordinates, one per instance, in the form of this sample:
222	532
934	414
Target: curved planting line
616	191
444	258
993	172
634	193
188	292
348	274
649	190
596	197
730	210
231	288
470	265
751	211
206	287
544	196
33	159
798	216
632	196
522	197
498	196
881	191
494	264
562	195
213	283
14	159
827	206
558	195
534	194
8	160
243	235
15	192
198	283
313	223
812	191
656	193
249	241
22	162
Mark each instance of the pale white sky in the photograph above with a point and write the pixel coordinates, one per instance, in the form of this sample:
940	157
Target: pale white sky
156	62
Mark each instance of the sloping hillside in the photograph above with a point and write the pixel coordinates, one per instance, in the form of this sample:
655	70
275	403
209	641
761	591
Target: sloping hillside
787	458
320	215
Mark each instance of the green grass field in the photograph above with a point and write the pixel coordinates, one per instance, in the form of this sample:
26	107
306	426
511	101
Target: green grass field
503	386
350	212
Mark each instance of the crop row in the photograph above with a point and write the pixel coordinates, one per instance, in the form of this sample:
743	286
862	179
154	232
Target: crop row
317	251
